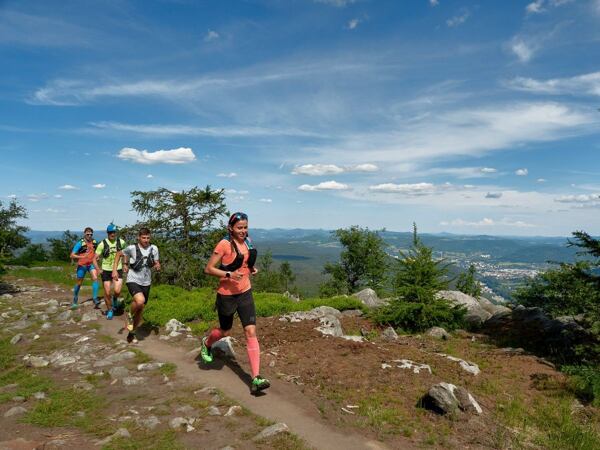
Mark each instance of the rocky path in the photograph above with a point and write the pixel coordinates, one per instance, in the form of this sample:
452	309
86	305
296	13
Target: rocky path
88	354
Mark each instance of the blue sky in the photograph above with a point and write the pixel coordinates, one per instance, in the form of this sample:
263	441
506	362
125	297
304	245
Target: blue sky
466	117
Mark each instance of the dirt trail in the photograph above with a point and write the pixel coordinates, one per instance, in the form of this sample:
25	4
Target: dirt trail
280	403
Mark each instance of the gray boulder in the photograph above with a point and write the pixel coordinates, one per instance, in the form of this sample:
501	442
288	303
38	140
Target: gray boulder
476	314
271	431
330	326
446	398
16	338
533	329
438	333
390	334
15	411
368	297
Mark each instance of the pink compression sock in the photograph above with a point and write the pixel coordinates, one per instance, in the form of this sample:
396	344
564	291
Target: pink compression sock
214	336
253	355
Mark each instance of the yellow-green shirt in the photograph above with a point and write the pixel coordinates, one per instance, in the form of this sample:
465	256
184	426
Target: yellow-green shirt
107	263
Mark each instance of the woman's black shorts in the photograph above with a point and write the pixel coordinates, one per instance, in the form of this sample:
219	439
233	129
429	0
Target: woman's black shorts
135	288
107	275
227	305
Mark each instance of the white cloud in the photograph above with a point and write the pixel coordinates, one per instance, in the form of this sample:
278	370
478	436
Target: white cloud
583	198
541	180
149	176
363	168
407	189
434	2
234	191
317	169
493	195
352	24
459	19
37	197
68	187
522	172
57	196
535	7
522	49
463	132
54	211
99	186
324	186
180	155
587	84
227	175
487	222
332	169
11	196
266	200
488	170
187	130
211	35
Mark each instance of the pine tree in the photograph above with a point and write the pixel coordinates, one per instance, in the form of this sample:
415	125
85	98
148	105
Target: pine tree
468	284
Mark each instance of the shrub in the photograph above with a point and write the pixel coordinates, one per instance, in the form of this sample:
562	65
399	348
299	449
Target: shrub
585	382
415	317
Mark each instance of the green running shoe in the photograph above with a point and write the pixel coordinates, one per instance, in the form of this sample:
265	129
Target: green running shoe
74	305
205	352
259	384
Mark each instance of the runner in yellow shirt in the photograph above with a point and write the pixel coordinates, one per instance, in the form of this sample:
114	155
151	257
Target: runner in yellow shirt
107	250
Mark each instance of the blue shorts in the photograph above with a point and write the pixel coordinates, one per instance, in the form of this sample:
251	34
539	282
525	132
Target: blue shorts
81	270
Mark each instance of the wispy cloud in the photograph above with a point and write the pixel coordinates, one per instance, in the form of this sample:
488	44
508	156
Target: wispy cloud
332	169
522	172
434	2
487	222
462	132
583	198
522	49
324	186
99	186
535	7
36	197
188	130
149	176
180	155
488	170
227	175
352	24
68	187
587	84
458	19
34	30
211	35
266	200
407	189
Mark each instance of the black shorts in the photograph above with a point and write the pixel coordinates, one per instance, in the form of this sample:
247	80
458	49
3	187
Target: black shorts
227	305
107	275
135	288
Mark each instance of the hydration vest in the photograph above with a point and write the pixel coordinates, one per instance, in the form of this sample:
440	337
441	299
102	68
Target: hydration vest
84	248
106	251
239	257
142	261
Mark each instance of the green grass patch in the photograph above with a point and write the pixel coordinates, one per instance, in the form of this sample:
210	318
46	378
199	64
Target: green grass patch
172	302
584	381
140	356
199	328
548	423
381	414
168	369
11	372
62	407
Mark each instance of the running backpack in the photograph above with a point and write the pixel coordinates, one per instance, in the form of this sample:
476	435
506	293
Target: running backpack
83	248
239	257
142	261
106	251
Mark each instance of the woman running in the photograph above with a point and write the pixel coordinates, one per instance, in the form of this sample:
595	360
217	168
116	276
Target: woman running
235	259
